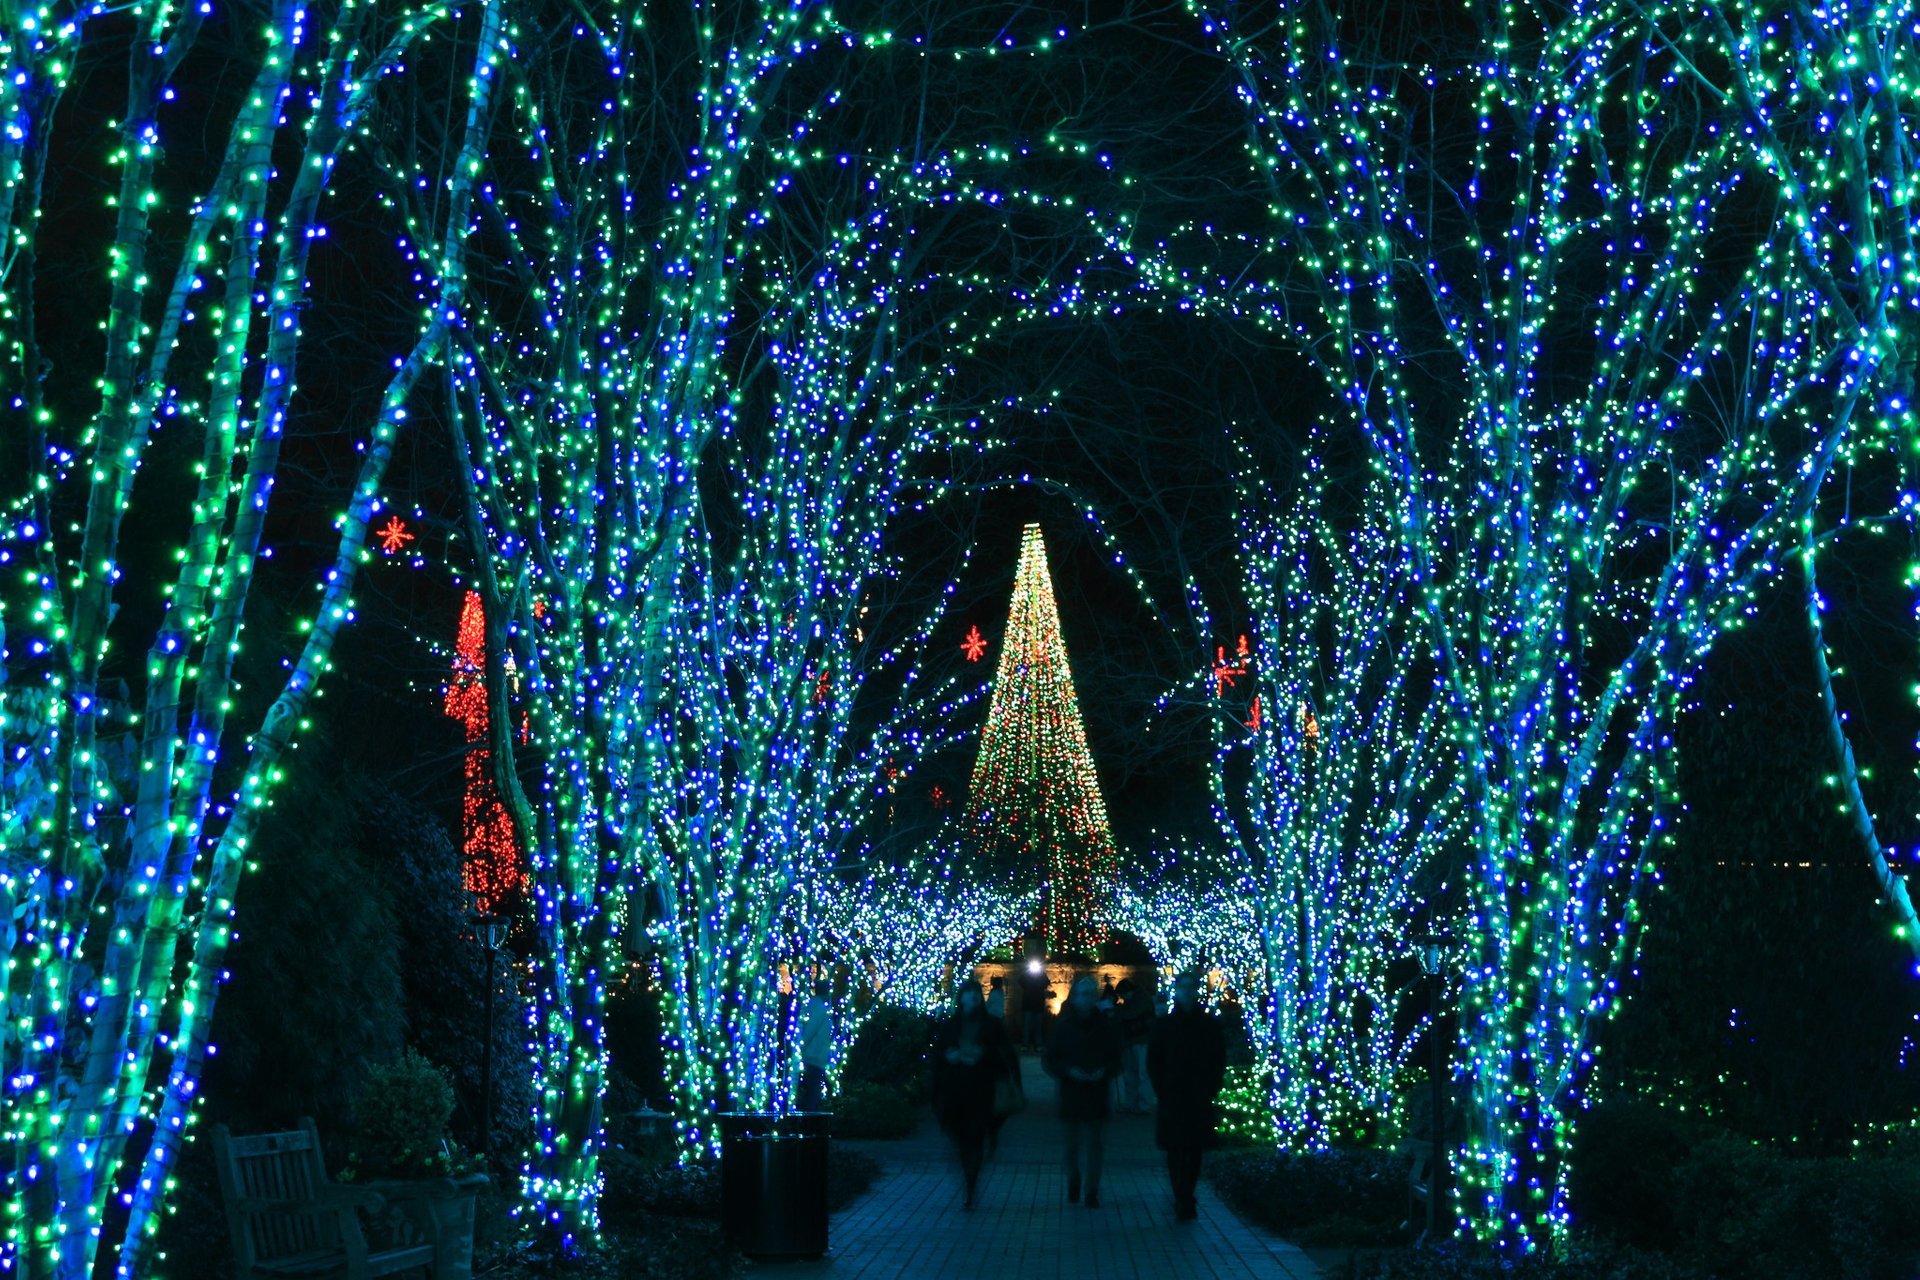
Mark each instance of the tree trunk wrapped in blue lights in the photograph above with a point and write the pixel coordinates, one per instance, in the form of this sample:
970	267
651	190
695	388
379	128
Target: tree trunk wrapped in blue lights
1563	304
127	832
694	391
1337	796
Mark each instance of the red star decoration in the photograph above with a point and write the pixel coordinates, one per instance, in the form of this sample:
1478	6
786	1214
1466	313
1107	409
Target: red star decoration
1224	671
394	536
974	645
937	797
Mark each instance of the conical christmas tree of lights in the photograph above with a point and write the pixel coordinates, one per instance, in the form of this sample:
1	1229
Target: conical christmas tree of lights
1035	801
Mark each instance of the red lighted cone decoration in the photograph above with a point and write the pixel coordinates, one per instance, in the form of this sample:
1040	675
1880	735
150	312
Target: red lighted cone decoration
1035	800
490	868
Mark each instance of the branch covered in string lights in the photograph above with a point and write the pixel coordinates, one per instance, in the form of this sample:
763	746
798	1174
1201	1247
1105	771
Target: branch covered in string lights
1541	271
1338	803
685	420
903	936
1826	93
127	818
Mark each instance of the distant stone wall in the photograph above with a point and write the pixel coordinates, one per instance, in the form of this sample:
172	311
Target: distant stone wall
1059	981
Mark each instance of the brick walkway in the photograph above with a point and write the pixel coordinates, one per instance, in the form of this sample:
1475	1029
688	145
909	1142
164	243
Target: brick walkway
910	1226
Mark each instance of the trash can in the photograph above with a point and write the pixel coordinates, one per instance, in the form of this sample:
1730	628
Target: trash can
773	1183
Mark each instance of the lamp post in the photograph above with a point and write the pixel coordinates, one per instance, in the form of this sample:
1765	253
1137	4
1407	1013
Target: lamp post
1431	949
490	931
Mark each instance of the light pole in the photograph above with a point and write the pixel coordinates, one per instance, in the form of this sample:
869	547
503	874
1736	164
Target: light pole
1431	948
490	931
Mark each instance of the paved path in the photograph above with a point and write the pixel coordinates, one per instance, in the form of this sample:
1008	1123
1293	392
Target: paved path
910	1226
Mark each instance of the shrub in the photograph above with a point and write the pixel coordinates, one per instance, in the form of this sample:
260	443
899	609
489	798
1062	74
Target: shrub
891	1049
850	1175
651	1184
679	1249
1245	1112
400	1117
1622	1183
1656	1178
1770	991
299	1022
1339	1197
444	971
866	1110
1745	1210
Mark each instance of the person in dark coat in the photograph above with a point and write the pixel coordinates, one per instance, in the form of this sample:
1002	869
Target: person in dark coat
971	1054
1033	1005
1187	1063
1133	1014
1083	1054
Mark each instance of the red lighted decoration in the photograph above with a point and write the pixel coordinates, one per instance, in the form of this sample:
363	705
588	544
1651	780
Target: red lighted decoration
490	867
394	536
1224	672
975	645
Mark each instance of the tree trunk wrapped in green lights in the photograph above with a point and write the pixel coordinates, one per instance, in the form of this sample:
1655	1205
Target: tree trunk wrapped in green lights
1537	263
126	831
691	399
796	683
1338	802
1831	118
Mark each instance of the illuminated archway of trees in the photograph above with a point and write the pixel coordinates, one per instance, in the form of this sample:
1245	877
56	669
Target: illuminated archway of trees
1613	297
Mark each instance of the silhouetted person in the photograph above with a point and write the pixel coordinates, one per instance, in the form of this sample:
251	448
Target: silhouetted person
1033	1004
1106	991
816	1048
1083	1054
996	997
971	1053
1187	1063
1133	1013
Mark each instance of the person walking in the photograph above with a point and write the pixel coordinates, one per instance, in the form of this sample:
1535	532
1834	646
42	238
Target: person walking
816	1048
1134	1013
1187	1064
1083	1054
1033	1004
971	1056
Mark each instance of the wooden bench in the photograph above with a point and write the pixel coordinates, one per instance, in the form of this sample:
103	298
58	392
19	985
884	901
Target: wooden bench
289	1219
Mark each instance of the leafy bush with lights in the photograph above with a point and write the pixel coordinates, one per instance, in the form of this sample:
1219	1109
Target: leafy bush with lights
401	1115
